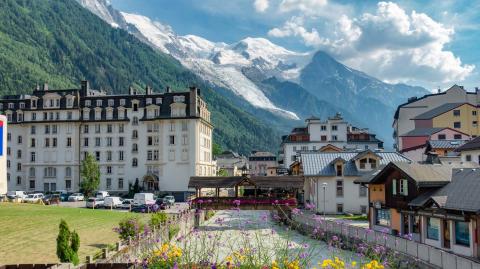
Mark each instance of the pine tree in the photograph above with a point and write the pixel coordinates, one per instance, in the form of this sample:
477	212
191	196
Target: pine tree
68	244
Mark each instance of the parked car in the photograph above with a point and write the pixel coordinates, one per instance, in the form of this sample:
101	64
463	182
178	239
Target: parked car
146	208
102	194
143	199
33	198
51	199
112	202
16	194
126	204
94	202
162	203
62	194
76	197
169	199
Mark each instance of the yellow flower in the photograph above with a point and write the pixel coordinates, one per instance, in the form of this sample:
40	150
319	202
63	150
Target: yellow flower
354	264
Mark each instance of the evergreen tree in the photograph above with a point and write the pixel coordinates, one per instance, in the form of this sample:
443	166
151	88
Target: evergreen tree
90	172
68	244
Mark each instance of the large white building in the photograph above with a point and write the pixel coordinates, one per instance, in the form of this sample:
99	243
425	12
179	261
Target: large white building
334	131
3	154
159	139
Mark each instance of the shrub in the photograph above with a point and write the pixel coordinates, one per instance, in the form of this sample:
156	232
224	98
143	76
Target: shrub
158	219
209	214
129	228
68	244
172	231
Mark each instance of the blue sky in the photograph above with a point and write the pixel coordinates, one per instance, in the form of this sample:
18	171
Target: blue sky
427	43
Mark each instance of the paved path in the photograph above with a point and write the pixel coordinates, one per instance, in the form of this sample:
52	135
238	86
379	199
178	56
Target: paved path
231	230
309	217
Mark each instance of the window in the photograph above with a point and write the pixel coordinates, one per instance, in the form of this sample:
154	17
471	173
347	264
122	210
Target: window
69	115
456	113
363	209
50	172
323	127
109	156
339	188
34	116
134	162
68	172
32	184
120	183
363	163
47	142
98	141
69	142
109	141
474	113
98	128
150	141
433	227
32	156
19	139
135	107
134	147
149	155
462	233
172	140
97	155
19	154
109	183
135	134
373	163
383	217
99	102
109	169
19	180
475	123
85	129
468	158
404	187
363	191
31	172
120	155
33	130
68	184
184	126
442	137
85	142
334	138
54	142
339	170
334	128
457	136
121	141
340	208
457	125
121	128
109	128
323	138
122	102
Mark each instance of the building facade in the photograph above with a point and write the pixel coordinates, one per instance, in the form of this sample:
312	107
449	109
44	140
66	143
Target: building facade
3	155
404	119
330	178
231	163
333	132
262	163
159	139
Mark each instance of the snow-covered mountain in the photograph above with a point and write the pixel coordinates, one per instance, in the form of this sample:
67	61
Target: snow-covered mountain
246	69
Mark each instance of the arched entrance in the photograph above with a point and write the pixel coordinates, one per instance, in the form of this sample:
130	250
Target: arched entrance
150	182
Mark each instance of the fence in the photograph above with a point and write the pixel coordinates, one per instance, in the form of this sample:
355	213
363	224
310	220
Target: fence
430	256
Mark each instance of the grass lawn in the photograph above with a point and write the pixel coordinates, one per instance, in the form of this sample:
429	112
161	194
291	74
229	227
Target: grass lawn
28	232
354	217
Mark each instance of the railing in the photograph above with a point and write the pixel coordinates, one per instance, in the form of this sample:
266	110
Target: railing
429	255
234	201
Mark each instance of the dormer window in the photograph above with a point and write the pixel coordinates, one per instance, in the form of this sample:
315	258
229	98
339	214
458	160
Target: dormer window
179	99
10	105
22	105
122	102
33	104
111	102
149	101
158	100
363	163
99	102
19	117
57	103
339	170
98	113
70	102
87	103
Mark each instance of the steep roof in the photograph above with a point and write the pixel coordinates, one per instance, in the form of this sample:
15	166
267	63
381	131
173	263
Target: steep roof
439	111
470	145
460	194
423	174
445	144
423	131
320	163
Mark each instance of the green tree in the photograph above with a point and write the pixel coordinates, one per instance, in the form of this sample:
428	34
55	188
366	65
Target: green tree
222	172
90	172
68	244
216	149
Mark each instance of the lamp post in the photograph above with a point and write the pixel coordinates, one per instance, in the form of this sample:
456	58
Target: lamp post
324	200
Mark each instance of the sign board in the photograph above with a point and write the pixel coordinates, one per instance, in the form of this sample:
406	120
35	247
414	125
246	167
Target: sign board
1	138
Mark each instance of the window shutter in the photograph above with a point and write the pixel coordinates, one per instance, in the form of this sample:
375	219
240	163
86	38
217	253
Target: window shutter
405	187
394	187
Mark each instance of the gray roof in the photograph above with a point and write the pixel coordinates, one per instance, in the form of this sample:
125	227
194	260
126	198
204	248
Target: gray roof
320	163
423	131
426	173
437	111
460	194
470	145
446	144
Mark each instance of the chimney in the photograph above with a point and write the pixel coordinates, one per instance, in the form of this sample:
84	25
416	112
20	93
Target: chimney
168	90
132	91
148	90
45	86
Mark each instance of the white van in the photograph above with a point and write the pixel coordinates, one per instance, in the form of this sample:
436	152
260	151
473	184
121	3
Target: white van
101	194
112	202
33	198
143	199
16	194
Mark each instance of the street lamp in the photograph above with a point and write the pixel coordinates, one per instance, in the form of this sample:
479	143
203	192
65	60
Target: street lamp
324	185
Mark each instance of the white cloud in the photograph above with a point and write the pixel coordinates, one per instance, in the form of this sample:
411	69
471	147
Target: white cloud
261	5
389	44
304	6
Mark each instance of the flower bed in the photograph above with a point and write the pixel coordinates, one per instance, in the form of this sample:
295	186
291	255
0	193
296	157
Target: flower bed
246	201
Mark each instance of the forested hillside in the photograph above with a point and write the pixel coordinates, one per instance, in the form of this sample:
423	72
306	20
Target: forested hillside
61	43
